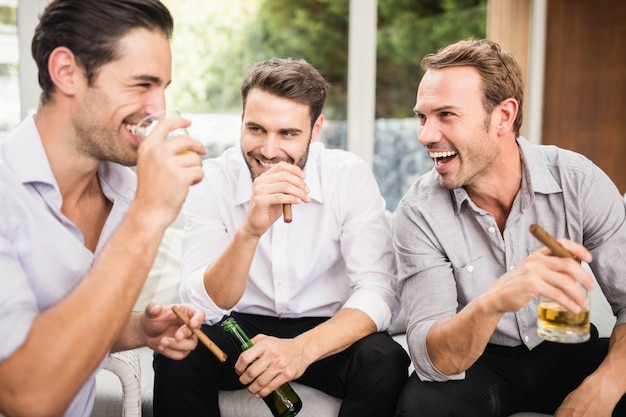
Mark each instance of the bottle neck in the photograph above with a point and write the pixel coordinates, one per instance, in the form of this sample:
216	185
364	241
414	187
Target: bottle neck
236	334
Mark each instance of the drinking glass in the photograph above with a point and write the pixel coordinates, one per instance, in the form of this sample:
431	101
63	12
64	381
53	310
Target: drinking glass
146	125
557	324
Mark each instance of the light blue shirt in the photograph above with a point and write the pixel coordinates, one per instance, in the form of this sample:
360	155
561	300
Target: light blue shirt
42	253
335	253
449	250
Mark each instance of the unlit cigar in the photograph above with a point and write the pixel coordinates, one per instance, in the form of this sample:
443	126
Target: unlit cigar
287	213
219	354
551	243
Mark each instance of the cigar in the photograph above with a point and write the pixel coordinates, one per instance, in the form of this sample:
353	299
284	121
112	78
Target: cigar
201	336
287	213
551	243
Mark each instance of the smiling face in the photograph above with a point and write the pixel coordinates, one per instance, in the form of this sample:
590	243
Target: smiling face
454	127
275	129
124	91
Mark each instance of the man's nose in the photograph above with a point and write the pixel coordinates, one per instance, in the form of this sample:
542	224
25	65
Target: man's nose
271	146
428	133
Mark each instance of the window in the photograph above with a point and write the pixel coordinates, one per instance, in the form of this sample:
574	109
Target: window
216	41
9	57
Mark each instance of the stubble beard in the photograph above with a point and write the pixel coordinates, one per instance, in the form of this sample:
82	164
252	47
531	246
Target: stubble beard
250	156
475	163
99	142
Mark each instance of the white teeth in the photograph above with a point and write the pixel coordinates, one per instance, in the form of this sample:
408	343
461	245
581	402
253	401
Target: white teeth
441	154
266	165
131	128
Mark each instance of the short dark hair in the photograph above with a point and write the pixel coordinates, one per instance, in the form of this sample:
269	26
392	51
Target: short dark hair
288	78
500	73
92	29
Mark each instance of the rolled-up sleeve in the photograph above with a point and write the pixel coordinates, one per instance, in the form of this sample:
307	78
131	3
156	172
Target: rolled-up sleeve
426	285
204	239
366	248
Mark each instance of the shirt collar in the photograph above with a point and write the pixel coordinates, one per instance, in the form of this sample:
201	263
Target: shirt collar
537	174
536	177
26	157
311	171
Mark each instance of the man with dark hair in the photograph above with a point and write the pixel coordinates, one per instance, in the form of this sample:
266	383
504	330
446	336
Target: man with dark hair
316	293
470	272
78	231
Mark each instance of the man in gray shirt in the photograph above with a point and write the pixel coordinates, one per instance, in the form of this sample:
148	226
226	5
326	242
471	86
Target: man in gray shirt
469	270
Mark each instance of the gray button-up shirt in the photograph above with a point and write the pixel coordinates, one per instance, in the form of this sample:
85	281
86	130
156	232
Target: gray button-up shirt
449	250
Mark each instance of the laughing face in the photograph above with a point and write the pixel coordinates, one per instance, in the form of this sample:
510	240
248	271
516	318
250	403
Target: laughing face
275	129
123	92
454	127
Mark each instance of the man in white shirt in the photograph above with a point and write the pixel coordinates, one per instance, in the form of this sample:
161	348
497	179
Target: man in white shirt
318	293
78	231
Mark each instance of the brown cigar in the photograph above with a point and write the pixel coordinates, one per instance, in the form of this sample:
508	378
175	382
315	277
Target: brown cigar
550	242
201	336
287	213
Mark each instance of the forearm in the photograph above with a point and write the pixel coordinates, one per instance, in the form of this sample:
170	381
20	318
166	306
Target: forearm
336	334
612	370
226	278
455	343
72	336
131	336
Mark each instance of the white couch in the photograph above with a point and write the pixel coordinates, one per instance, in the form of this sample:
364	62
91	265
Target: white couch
134	369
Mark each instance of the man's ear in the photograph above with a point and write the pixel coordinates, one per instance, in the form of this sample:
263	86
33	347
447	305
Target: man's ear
64	70
317	127
507	112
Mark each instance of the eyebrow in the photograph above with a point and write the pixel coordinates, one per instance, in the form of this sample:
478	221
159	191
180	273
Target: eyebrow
252	124
150	79
438	109
292	130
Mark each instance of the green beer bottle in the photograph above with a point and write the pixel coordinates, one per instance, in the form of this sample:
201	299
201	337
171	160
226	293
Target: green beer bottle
283	402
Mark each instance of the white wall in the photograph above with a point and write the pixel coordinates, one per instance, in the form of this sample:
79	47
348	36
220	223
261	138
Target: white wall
27	17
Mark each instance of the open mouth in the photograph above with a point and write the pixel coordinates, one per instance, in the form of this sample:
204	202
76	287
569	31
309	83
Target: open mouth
131	127
442	158
265	165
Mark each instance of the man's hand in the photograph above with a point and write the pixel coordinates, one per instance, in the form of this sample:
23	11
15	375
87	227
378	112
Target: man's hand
595	397
282	184
165	171
270	363
166	334
542	273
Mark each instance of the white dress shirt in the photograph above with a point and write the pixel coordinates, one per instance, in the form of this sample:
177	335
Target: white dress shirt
335	253
42	253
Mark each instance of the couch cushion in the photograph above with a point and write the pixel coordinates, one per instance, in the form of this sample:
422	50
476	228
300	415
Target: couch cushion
232	403
314	403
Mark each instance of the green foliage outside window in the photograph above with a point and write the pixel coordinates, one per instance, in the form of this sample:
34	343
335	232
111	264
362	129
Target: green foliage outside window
216	41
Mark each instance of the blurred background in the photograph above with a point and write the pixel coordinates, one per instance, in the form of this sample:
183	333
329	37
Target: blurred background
571	52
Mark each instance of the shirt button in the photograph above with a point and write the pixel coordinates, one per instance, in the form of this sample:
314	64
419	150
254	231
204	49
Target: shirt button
526	338
492	229
470	268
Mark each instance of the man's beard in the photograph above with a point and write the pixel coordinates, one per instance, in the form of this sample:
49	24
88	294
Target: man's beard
301	162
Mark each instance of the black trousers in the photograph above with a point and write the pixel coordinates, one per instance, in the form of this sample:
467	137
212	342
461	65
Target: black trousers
368	376
507	380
